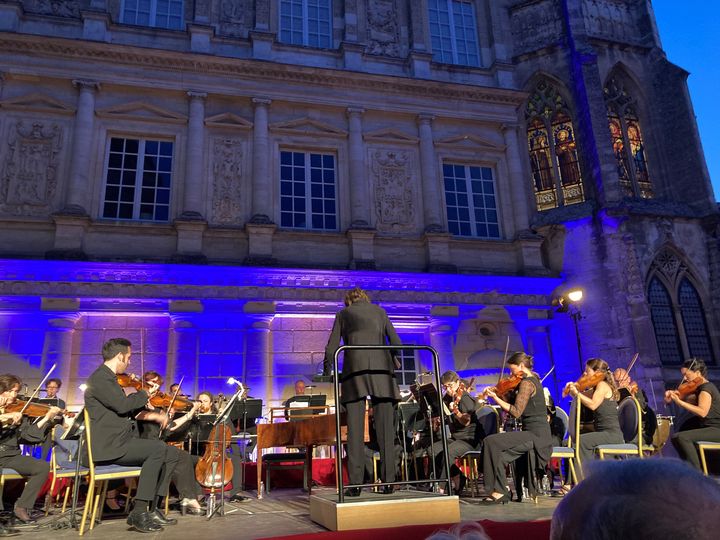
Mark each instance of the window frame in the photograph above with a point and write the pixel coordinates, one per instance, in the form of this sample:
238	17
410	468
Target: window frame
153	15
439	57
305	26
139	172
472	209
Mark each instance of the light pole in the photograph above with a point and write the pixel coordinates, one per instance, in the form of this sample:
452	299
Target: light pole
568	303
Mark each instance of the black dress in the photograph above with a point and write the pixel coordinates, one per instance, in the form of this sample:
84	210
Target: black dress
463	438
607	430
535	441
684	441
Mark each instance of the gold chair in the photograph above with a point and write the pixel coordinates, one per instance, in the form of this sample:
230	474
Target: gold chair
489	418
566	452
59	471
7	474
702	447
630	417
99	477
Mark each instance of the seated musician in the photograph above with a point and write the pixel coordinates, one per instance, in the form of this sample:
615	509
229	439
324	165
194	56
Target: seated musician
199	431
626	388
52	386
702	399
154	424
113	437
15	429
299	391
465	432
535	440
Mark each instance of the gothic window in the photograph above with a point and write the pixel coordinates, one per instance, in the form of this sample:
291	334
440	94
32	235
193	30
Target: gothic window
556	176
306	22
663	320
627	141
157	13
453	32
308	191
138	179
470	201
694	322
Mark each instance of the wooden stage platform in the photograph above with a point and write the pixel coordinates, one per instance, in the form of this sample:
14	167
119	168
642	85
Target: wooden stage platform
282	512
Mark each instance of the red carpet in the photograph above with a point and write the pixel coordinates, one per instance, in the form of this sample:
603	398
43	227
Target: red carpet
497	530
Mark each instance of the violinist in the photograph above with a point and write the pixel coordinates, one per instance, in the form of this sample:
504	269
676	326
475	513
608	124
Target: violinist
596	390
52	386
465	432
17	428
199	431
700	397
153	424
626	388
527	403
114	439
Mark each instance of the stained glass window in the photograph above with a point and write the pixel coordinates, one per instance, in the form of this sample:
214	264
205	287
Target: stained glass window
620	155
694	322
554	163
663	319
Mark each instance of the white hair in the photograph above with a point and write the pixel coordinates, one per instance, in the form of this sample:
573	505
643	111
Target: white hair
467	530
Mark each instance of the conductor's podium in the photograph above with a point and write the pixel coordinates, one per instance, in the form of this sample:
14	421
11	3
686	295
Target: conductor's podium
376	511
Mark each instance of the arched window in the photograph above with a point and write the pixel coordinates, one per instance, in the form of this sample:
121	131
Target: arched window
678	317
556	176
627	141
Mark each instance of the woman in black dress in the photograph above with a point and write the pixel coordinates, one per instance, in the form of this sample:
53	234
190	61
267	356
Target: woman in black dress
704	402
534	440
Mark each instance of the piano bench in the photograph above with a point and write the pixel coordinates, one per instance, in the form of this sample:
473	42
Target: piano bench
284	460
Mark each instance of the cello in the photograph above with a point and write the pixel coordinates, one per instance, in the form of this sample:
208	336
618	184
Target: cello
214	469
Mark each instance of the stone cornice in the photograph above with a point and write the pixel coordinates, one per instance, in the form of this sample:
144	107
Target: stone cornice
70	279
242	69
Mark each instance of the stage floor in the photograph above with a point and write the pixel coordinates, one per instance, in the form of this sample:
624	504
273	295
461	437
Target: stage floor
282	512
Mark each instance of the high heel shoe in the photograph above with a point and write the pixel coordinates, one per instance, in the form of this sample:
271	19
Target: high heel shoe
487	501
187	507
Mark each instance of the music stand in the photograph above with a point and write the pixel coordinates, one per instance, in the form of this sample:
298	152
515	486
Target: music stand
429	401
249	409
408	411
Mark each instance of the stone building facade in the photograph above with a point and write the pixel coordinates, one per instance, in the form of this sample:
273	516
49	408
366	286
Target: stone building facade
207	178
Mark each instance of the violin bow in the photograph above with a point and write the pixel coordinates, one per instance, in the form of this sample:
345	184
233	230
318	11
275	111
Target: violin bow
632	362
502	369
172	401
37	390
546	375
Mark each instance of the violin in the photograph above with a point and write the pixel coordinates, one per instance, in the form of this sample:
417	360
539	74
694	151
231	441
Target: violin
688	388
463	418
214	466
33	409
587	381
505	385
159	399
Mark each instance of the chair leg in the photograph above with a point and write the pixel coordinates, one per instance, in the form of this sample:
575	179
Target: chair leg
703	461
99	500
65	497
86	507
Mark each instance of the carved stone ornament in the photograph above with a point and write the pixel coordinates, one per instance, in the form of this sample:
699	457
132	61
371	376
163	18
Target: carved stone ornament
536	25
611	19
29	176
382	30
668	263
394	190
227	180
632	277
57	8
236	17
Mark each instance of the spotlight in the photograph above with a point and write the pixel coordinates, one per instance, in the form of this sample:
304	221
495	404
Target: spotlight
575	295
83	387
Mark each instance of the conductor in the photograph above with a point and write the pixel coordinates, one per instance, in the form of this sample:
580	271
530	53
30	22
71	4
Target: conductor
366	373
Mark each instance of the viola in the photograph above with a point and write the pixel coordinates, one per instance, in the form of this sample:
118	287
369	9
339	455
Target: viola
506	384
214	466
587	381
33	410
159	399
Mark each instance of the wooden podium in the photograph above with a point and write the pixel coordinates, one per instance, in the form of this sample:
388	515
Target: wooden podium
376	511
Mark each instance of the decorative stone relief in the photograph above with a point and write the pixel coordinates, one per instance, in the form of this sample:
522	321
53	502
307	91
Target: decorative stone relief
58	8
611	19
382	32
536	25
227	180
632	276
669	264
236	17
29	176
394	190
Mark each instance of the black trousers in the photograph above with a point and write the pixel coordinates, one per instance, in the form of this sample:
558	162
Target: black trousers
157	465
456	448
384	417
684	443
499	450
183	476
34	470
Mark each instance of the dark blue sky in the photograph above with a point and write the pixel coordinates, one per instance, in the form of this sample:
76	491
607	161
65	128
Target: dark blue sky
690	35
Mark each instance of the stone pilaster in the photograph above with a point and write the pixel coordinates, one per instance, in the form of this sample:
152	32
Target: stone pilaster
78	189
519	186
428	172
184	352
260	240
261	196
362	248
258	361
437	249
194	177
359	206
443	327
57	345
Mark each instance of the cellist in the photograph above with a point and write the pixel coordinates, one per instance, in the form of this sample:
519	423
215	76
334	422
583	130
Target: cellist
700	397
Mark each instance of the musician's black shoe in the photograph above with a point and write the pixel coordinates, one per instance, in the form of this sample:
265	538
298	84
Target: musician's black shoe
237	498
160	518
23	515
387	490
143	522
8	531
352	492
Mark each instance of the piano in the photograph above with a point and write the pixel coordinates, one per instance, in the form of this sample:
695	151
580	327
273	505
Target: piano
314	431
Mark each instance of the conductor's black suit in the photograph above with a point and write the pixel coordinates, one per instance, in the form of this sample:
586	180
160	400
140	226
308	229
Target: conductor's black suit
366	373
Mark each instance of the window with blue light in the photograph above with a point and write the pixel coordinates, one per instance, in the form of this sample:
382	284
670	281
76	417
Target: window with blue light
694	324
138	179
470	200
306	22
156	13
663	319
453	32
308	191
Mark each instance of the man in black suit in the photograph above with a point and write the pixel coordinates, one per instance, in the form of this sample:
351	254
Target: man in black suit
115	440
366	373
